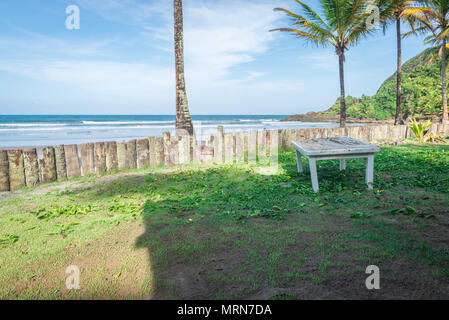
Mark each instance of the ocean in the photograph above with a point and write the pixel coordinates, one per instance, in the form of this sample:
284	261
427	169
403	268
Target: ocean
49	130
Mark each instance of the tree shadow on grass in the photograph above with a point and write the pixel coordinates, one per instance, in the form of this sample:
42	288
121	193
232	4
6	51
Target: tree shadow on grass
204	227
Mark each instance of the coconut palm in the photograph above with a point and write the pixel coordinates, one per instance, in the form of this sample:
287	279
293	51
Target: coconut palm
433	16
183	120
393	11
342	25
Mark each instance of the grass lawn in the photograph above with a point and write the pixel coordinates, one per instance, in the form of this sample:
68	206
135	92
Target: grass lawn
228	232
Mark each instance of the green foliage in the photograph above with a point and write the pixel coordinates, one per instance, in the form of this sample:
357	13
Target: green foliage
63	229
421	92
124	207
72	210
8	239
434	138
420	129
224	192
423	167
360	215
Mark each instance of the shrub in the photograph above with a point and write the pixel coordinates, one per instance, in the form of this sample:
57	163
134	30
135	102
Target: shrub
420	129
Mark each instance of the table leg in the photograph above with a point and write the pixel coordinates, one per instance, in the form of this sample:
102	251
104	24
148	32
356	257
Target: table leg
299	161
370	171
342	164
313	174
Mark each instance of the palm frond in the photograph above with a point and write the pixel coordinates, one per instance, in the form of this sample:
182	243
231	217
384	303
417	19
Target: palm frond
308	26
313	16
415	31
307	36
342	24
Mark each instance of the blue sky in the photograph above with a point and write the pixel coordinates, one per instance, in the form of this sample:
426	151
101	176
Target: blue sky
121	59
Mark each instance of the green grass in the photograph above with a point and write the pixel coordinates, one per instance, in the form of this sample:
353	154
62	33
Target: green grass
224	232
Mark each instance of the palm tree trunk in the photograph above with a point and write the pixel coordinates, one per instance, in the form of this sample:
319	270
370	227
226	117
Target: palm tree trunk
341	60
183	120
398	118
443	81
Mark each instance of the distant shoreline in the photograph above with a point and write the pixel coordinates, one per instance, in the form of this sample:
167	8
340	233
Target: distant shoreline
321	117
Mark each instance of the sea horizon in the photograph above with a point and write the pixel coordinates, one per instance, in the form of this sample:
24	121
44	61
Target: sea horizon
20	131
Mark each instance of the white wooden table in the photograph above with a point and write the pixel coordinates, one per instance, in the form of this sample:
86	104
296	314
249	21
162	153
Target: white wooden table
341	148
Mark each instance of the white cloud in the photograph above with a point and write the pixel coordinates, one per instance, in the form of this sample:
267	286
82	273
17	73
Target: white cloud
42	46
219	35
220	38
113	79
325	60
131	12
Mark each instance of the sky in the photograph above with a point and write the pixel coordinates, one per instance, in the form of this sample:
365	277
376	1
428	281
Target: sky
121	60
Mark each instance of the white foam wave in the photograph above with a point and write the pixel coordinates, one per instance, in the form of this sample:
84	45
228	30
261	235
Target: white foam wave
126	122
256	120
34	124
85	128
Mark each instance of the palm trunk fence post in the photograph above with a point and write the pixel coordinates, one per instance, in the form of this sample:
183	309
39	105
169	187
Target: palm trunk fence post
252	147
30	162
239	147
87	155
152	151
4	171
398	118
111	156
183	120
341	59
122	155
100	157
131	150
184	149
61	169
16	169
159	150
143	153
219	146
443	81
166	138
48	165
72	161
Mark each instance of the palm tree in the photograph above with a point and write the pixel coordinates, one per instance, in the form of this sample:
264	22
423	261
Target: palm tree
392	11
433	16
343	24
183	120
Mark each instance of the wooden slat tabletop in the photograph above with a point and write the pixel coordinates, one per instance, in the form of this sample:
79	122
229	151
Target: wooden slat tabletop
333	146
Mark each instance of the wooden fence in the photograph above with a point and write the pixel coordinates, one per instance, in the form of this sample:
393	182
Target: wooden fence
30	167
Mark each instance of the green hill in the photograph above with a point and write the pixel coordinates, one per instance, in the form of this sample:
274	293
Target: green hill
421	92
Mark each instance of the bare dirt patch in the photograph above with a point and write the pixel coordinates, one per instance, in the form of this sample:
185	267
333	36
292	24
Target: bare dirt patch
324	273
